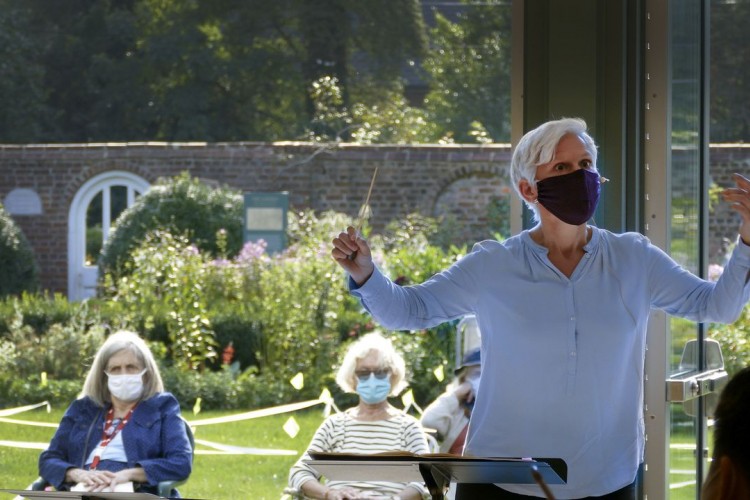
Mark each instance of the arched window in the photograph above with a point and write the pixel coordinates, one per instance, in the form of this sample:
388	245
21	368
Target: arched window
94	209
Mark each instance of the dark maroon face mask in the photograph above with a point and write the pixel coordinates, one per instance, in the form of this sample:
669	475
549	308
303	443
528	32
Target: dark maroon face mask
572	198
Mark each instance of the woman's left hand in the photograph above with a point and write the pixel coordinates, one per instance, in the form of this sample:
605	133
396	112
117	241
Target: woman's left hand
112	479
739	197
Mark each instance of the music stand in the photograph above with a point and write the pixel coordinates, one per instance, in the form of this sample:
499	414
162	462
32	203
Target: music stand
82	495
436	471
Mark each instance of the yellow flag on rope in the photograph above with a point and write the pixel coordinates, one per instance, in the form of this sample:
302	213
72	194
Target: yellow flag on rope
325	396
43	382
439	373
408	399
197	406
298	381
291	427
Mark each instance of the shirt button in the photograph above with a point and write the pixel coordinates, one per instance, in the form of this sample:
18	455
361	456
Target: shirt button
572	318
573	354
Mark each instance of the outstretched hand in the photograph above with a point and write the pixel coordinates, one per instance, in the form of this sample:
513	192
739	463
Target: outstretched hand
352	253
739	197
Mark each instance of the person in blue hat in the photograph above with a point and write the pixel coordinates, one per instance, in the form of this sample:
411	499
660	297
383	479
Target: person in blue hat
449	414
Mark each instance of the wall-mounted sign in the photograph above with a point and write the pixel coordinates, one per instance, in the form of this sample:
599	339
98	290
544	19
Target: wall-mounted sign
265	219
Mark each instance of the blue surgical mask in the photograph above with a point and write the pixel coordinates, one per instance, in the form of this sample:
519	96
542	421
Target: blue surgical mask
373	390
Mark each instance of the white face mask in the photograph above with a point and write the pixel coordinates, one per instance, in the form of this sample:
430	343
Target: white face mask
127	387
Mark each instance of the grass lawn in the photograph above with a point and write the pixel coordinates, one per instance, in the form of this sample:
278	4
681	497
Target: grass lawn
215	476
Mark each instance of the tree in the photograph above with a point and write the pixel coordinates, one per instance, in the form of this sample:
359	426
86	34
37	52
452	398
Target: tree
225	70
730	73
22	90
469	74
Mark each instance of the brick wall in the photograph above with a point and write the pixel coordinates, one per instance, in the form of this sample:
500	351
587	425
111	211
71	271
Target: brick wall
459	180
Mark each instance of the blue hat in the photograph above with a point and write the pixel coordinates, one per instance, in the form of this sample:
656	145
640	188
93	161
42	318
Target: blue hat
471	358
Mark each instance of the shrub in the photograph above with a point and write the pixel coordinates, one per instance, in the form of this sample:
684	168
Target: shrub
63	352
735	342
18	270
182	205
167	270
15	391
39	312
283	314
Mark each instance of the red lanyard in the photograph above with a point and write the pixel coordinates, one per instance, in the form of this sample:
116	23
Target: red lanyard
108	434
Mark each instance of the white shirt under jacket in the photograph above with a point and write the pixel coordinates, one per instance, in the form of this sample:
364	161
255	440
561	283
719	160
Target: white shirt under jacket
562	358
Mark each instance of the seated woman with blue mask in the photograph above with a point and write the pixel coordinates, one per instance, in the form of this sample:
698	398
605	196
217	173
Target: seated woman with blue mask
374	370
124	428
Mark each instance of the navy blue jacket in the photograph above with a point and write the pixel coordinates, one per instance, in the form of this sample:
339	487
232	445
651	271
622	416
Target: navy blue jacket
155	439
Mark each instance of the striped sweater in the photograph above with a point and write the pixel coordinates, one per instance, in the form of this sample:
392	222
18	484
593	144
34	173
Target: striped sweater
341	433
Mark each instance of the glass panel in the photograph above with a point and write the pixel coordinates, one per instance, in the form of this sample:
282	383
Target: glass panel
93	230
685	207
118	202
730	43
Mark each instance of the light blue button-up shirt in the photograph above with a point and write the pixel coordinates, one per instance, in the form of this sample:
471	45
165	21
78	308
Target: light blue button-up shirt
562	358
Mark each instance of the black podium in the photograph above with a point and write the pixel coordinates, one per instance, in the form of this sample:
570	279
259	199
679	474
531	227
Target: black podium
437	471
80	495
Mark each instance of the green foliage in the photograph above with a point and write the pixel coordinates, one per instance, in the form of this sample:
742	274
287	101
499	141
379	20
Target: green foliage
15	391
730	75
735	342
27	353
174	70
498	215
424	352
392	121
37	311
50	364
284	314
181	205
469	68
22	90
18	269
215	389
167	269
381	117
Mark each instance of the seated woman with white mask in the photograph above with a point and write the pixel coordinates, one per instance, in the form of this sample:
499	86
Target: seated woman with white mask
374	370
124	427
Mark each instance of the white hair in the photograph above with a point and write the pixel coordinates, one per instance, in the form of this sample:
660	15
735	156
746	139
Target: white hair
95	386
538	146
387	358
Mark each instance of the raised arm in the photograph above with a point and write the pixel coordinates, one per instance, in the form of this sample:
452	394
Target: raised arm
739	197
353	254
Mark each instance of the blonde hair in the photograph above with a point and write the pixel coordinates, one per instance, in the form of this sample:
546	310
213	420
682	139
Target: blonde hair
387	358
95	386
538	146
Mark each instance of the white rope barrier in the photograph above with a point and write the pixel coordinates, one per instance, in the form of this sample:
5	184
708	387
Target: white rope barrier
225	449
21	409
24	444
257	413
218	448
28	422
